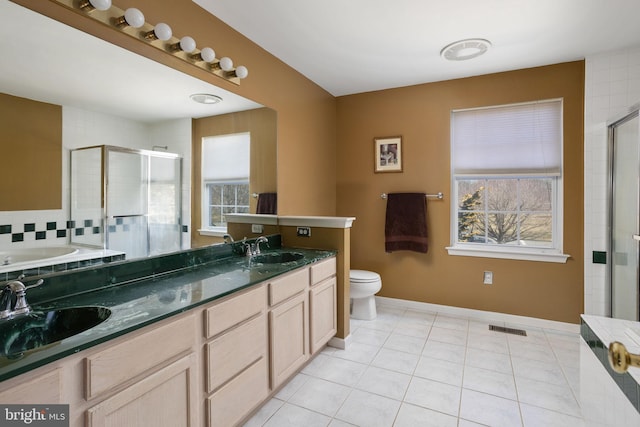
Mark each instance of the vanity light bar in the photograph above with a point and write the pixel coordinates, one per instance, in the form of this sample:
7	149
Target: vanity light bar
160	36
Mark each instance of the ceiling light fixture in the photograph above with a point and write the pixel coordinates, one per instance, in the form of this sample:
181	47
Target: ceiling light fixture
205	98
465	49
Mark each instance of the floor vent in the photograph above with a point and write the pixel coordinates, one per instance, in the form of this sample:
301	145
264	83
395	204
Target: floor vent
508	330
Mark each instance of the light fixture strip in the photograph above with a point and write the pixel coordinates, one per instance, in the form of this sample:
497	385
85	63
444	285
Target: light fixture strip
111	18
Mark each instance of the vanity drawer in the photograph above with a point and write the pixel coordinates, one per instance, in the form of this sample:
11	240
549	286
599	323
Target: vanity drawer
229	405
286	287
234	351
119	363
322	270
234	310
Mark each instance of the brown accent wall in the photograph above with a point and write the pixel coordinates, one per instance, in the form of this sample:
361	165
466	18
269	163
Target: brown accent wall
421	115
31	144
261	123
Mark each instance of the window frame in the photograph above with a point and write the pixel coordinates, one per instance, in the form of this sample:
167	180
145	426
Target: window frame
554	253
206	229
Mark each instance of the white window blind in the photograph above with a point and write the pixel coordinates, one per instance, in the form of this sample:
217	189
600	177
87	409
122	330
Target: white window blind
225	157
522	139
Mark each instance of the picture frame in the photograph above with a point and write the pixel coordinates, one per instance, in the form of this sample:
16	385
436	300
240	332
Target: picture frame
388	154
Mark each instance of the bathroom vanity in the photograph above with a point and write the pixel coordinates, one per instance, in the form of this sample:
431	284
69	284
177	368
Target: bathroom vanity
203	344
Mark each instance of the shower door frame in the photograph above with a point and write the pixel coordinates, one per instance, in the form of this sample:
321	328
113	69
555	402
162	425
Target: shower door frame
633	113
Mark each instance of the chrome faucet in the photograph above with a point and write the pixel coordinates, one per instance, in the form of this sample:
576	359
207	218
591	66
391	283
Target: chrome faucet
259	240
228	238
252	249
17	288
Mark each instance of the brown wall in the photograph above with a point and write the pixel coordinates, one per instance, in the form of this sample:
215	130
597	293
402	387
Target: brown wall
262	125
31	143
421	115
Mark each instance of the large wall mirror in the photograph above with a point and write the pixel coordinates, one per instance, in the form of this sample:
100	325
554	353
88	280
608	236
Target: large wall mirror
94	93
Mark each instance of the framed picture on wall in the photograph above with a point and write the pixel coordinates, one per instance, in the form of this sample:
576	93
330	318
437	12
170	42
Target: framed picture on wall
388	154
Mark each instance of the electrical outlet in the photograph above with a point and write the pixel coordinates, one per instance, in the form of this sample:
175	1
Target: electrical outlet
488	278
257	228
303	231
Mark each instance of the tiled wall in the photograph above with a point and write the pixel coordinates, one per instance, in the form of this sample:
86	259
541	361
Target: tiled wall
612	86
81	128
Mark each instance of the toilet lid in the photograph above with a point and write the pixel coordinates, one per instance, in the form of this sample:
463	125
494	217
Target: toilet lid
363	276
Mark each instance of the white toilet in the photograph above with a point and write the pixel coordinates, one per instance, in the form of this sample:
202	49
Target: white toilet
363	285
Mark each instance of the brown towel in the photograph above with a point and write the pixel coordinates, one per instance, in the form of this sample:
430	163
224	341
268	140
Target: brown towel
267	203
406	223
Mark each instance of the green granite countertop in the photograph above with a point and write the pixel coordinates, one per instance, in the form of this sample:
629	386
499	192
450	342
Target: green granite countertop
137	303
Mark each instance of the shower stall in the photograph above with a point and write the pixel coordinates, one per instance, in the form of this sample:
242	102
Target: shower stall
624	217
126	199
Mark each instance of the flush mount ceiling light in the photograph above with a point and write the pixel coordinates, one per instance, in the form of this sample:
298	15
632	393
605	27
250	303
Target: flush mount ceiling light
205	98
465	49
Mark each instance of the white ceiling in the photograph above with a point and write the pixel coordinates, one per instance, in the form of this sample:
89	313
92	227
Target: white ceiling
58	64
353	46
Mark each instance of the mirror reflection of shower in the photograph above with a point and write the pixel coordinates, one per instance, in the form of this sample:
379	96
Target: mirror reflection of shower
126	200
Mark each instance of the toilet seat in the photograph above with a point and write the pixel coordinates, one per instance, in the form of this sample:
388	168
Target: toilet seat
363	276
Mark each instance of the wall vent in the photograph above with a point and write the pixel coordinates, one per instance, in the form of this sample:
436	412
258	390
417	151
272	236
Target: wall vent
508	330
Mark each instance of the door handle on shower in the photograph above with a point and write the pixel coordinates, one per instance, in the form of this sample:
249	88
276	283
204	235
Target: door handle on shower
635	236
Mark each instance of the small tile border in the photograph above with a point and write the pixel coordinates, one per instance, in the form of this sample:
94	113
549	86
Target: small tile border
626	382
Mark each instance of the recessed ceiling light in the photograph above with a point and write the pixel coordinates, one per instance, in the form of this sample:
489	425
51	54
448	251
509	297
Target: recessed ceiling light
205	98
465	49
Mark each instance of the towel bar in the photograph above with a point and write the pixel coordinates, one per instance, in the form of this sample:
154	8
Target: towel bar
438	196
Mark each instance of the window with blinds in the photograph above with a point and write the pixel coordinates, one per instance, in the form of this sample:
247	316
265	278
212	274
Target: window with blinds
506	164
225	178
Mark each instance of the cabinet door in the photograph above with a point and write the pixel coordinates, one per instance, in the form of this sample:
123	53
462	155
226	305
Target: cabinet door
289	338
165	398
322	312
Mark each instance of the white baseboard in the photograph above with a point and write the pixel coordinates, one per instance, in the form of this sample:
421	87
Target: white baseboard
509	319
341	343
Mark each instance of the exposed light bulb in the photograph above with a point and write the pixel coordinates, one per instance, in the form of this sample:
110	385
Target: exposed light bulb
91	5
187	44
160	32
207	54
226	64
134	17
242	72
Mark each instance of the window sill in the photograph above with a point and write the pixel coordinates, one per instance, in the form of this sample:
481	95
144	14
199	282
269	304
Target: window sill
518	255
213	232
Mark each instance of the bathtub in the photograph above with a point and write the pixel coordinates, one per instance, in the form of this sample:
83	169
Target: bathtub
41	260
18	257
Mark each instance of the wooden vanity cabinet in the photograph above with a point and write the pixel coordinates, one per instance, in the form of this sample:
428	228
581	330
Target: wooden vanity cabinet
288	325
322	304
155	374
237	371
213	365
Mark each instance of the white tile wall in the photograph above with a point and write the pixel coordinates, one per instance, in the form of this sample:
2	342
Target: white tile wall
612	86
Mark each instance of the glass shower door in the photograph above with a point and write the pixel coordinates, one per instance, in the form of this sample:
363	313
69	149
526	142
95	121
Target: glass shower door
625	227
165	233
127	202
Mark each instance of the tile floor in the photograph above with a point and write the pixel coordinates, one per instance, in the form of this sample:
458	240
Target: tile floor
411	368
